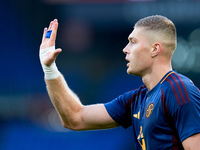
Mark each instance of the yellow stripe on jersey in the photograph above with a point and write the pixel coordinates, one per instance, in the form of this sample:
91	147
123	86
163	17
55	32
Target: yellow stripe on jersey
166	77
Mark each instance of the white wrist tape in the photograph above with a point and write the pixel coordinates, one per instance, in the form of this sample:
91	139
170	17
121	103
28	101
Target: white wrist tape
51	72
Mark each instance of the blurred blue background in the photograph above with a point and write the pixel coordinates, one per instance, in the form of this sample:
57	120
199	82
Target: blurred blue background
92	34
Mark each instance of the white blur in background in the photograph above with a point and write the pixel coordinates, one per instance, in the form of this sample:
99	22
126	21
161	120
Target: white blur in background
187	54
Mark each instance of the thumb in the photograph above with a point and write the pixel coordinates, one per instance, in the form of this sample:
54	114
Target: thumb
56	52
51	57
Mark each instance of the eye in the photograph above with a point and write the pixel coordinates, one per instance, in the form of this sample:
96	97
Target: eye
132	42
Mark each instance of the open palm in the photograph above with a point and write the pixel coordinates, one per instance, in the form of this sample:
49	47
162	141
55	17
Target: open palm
50	55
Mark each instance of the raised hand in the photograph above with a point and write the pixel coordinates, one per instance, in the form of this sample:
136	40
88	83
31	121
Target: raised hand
48	53
47	47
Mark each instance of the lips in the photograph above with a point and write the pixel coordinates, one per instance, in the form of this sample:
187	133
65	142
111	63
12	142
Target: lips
128	61
128	64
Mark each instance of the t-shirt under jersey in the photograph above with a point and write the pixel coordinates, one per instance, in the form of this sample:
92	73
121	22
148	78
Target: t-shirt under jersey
162	117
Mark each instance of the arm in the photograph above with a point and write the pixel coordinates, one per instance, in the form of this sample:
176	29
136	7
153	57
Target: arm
192	143
71	111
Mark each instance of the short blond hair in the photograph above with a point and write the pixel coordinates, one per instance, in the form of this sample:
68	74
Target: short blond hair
160	24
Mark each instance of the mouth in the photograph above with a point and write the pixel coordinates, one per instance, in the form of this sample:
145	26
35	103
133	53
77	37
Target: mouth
128	64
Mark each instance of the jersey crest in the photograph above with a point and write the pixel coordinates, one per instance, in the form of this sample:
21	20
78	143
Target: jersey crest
149	110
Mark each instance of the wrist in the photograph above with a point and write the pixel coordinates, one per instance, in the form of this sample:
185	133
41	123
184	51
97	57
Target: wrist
50	72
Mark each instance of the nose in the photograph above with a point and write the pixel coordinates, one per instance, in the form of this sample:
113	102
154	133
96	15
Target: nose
125	50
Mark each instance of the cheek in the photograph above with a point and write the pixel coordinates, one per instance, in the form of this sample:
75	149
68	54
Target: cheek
141	57
137	54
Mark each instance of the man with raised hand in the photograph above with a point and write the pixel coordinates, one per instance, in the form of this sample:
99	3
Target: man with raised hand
164	112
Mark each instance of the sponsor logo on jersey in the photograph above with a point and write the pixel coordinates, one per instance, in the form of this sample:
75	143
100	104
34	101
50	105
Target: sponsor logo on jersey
137	115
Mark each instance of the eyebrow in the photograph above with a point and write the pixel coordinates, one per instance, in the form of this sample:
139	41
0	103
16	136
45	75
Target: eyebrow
131	38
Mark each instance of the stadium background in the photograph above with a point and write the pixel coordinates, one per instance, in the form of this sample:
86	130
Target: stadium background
92	34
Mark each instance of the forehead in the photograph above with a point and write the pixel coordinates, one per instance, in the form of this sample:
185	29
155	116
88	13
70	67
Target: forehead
137	33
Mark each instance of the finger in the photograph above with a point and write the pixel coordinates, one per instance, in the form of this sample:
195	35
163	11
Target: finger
56	52
44	33
52	57
54	30
50	25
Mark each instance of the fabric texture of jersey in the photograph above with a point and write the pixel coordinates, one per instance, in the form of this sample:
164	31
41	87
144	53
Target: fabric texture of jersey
162	117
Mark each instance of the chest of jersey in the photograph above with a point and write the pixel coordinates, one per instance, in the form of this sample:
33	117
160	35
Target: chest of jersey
149	120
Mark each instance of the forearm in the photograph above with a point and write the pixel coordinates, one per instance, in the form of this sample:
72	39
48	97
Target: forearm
65	101
73	114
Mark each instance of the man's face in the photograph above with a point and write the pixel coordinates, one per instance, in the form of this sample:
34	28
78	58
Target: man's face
138	53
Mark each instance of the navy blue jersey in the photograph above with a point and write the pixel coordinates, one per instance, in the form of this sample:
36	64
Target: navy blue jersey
162	117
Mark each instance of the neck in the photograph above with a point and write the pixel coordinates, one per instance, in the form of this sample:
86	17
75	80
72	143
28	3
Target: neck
152	78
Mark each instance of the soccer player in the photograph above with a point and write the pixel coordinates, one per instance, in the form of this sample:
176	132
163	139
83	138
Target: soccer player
164	112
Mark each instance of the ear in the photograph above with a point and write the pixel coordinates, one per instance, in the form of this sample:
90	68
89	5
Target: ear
156	47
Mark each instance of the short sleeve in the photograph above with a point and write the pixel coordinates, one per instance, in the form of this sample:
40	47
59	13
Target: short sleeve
120	109
187	120
184	107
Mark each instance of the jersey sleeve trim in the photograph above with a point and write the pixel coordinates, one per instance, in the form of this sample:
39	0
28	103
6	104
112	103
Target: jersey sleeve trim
189	133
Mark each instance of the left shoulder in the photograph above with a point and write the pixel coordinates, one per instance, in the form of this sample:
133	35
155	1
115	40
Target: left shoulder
179	83
179	89
177	78
181	99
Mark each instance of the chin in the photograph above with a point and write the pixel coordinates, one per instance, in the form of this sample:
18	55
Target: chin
131	72
128	71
